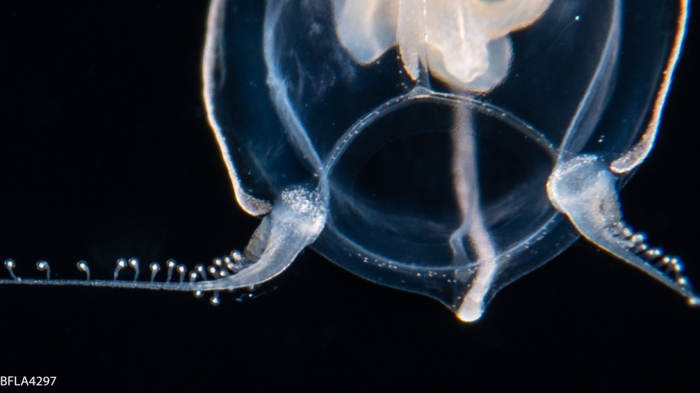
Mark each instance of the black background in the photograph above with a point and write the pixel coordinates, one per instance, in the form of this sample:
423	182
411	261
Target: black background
105	152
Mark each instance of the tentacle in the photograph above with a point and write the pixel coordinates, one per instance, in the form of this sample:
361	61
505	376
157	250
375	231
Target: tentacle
584	189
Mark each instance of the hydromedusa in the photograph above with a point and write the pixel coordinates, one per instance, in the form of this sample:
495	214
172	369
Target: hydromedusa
440	147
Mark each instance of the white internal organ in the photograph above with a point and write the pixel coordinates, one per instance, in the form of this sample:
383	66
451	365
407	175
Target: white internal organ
463	43
473	229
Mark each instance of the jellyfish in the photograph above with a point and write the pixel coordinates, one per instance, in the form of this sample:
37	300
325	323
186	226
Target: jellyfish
441	147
